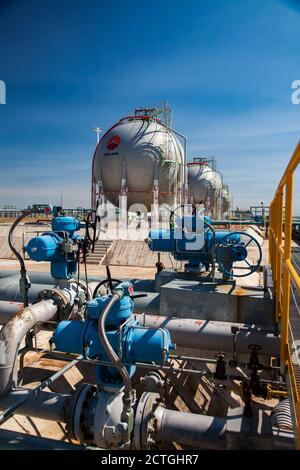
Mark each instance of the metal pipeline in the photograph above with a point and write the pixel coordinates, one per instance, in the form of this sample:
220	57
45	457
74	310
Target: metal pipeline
215	335
8	412
11	440
41	277
190	429
170	426
149	305
10	289
13	333
36	277
8	309
45	405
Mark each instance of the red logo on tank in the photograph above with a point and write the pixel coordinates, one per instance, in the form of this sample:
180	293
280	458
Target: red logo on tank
113	142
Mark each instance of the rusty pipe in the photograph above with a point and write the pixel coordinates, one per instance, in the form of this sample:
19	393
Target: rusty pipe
13	333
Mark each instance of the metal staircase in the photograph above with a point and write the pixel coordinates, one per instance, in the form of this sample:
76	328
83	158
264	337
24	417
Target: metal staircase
102	248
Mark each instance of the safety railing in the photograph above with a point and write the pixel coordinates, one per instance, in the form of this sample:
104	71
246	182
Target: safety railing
286	281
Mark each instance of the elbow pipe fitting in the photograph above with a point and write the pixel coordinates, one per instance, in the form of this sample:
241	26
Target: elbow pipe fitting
12	335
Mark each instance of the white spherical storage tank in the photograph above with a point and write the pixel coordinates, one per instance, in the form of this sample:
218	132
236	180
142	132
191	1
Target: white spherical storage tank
132	156
205	186
226	200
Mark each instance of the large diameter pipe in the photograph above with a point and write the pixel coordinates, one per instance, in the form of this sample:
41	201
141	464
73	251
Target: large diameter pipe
12	440
10	289
45	405
7	413
40	277
10	286
149	305
12	334
215	335
202	431
36	277
8	309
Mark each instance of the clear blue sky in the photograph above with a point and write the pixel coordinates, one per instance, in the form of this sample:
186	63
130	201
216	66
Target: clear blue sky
225	66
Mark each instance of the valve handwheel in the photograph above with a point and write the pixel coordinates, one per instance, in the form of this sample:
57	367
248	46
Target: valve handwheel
113	282
239	254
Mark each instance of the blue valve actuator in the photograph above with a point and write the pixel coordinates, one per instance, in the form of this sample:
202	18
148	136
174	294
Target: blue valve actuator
58	246
132	342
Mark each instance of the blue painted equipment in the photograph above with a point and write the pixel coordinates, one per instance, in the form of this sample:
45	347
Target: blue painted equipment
131	341
195	240
59	247
229	251
120	335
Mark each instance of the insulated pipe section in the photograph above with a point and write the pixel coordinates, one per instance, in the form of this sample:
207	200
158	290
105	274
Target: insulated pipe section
45	405
190	429
214	335
12	334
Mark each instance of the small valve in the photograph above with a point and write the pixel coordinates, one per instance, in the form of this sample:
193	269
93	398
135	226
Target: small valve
221	371
152	382
255	366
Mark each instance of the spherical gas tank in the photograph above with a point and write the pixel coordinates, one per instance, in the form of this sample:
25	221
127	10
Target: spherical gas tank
134	153
205	186
226	201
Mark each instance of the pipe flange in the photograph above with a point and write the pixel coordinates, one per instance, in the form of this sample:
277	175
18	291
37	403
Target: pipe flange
60	298
143	420
77	418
